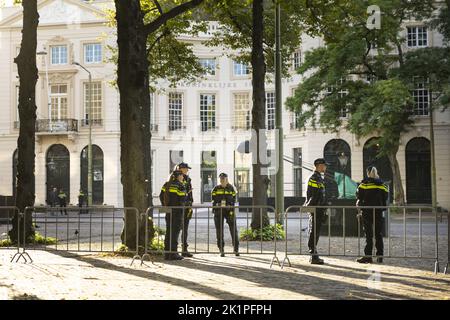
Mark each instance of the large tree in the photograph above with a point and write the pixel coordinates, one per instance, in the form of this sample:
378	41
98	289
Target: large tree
28	75
133	32
357	73
248	29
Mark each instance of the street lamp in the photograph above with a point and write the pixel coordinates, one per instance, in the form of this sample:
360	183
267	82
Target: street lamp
343	159
89	118
44	53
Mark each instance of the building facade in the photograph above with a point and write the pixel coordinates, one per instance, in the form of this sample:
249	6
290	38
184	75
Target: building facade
201	123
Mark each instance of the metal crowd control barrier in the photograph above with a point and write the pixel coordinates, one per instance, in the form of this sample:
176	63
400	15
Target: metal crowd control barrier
10	213
201	225
392	234
81	229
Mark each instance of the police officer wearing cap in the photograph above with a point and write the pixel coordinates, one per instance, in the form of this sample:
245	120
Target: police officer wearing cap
372	192
224	195
173	193
315	196
184	168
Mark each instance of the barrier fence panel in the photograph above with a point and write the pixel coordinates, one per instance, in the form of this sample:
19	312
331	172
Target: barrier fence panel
409	231
6	218
80	229
207	224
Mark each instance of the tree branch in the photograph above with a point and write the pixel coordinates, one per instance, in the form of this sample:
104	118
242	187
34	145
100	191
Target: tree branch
172	13
158	6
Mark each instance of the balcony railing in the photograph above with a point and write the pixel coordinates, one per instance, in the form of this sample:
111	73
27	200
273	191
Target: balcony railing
56	126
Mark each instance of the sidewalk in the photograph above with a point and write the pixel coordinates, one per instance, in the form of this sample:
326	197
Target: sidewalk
62	275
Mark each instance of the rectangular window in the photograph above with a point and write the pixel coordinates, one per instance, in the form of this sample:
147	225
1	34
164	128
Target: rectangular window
208	111
92	53
270	110
297	60
342	93
58	102
421	100
242	115
240	69
175	111
209	64
417	37
96	104
153	125
59	55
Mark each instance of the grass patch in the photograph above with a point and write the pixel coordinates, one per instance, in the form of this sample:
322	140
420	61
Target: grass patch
268	233
37	239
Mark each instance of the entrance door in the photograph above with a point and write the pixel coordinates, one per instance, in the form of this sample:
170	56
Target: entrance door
58	169
418	171
97	174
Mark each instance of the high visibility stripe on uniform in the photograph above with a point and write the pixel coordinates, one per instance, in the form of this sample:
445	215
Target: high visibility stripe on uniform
177	191
315	185
372	186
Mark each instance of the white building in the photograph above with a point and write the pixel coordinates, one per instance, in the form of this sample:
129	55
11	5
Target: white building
203	120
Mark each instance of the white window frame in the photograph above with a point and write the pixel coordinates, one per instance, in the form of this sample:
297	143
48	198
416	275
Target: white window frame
414	35
241	111
98	115
175	108
296	59
97	55
421	98
270	106
62	59
208	111
240	69
210	64
59	96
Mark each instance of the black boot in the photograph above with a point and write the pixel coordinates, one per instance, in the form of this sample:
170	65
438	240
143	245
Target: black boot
176	256
364	260
186	253
316	260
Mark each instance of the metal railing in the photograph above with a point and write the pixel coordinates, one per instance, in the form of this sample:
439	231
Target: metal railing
402	238
62	125
409	232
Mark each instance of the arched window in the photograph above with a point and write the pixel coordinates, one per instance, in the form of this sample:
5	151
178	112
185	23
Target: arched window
337	152
97	173
418	171
58	169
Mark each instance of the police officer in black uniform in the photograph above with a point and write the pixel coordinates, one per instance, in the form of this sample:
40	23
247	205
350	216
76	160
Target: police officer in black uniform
315	196
173	193
223	195
184	168
372	192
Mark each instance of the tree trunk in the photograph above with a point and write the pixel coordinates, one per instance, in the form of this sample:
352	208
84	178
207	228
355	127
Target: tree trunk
399	193
28	75
135	133
260	181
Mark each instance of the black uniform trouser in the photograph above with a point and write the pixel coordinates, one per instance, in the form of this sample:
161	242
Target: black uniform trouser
373	222
230	218
174	220
315	224
187	215
61	206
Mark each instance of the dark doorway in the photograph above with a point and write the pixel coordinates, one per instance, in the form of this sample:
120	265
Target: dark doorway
371	157
97	174
418	171
58	169
332	152
208	172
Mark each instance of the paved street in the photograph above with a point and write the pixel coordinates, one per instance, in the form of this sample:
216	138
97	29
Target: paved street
61	275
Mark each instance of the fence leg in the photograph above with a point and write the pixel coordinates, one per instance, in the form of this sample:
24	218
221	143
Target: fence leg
146	254
136	255
22	254
275	258
286	258
436	263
